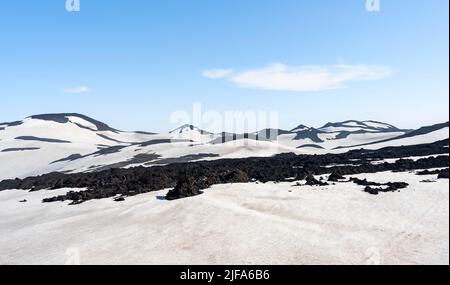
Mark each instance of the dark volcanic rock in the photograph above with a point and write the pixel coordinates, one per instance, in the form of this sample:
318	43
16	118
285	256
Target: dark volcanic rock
444	174
364	182
428	172
335	177
192	186
187	187
236	176
311	181
11	184
428	181
370	190
391	187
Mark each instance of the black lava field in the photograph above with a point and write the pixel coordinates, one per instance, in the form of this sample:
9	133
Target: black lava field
188	179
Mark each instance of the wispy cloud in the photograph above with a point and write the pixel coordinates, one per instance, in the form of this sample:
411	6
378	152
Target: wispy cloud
306	78
76	90
217	73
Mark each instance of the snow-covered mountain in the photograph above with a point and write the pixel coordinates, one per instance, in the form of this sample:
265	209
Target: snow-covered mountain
333	136
191	133
35	145
358	126
73	143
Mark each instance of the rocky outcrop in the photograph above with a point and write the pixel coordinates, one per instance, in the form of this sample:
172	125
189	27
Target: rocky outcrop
441	173
391	187
311	181
364	182
187	187
444	174
190	186
335	177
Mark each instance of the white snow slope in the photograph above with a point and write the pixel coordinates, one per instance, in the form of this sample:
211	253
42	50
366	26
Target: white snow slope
235	224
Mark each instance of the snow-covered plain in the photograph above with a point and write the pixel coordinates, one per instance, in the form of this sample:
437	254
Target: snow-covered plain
235	224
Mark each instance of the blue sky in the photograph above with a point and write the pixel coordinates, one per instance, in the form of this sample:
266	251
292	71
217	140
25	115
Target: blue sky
133	63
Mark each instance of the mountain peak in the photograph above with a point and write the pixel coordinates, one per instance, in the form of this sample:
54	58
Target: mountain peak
80	120
300	128
355	125
189	128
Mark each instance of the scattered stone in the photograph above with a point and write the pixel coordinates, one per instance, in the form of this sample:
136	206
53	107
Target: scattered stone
371	190
311	181
364	182
391	187
335	177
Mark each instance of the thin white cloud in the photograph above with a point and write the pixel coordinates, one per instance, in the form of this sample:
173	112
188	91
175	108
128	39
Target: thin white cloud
76	90
217	73
307	78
